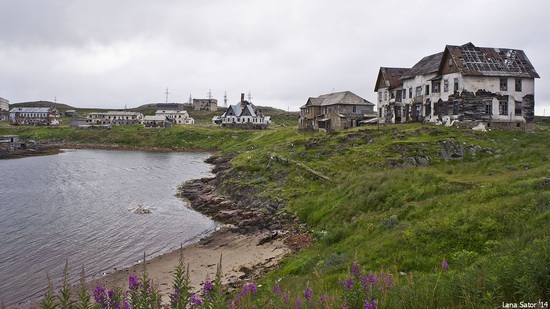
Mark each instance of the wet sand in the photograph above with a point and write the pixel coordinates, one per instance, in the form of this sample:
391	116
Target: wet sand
242	258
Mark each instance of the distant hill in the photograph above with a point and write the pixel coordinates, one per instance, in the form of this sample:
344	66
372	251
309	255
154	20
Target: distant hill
59	106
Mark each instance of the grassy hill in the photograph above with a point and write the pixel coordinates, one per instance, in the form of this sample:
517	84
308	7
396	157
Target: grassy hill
398	200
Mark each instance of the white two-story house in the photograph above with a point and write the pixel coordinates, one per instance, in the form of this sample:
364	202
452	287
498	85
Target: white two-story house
466	85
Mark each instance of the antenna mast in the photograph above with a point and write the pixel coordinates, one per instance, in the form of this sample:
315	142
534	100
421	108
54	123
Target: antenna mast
249	97
225	99
209	94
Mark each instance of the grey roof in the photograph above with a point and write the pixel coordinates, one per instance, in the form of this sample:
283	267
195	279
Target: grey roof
154	118
123	113
30	110
428	64
238	109
345	97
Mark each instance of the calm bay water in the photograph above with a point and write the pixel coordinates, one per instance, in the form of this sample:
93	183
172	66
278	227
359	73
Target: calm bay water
78	207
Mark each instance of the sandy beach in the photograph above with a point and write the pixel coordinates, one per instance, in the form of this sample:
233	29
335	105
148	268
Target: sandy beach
242	259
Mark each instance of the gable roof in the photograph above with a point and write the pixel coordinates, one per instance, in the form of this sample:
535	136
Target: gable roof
390	77
238	109
488	61
345	97
428	64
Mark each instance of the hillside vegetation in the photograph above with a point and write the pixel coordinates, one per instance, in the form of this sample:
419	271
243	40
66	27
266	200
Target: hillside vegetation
397	199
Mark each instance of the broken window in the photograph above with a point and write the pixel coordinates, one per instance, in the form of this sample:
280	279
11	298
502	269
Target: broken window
404	94
518	84
503	84
385	95
398	96
380	96
410	92
489	108
518	108
428	109
446	85
436	87
455	84
455	108
418	91
427	89
503	107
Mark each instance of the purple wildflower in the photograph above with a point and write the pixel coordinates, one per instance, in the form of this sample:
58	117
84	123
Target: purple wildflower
356	269
195	301
374	304
323	298
444	264
207	287
298	304
277	289
308	293
249	288
348	284
368	304
134	283
100	296
127	305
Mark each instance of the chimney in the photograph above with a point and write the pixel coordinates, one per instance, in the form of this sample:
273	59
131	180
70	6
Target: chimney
242	97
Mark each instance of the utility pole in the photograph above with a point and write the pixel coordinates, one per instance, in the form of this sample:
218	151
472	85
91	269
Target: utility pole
225	99
167	93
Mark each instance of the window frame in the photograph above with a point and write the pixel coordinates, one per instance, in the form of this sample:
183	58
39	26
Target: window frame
519	85
503	84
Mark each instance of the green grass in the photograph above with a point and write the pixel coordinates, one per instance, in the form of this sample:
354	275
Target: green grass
487	214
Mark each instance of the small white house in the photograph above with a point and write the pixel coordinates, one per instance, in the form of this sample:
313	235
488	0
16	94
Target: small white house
156	122
244	115
115	118
176	116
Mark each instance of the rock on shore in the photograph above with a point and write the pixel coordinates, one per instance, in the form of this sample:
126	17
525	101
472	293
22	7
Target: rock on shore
204	196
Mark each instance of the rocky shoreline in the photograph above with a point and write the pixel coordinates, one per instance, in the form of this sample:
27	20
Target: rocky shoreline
243	217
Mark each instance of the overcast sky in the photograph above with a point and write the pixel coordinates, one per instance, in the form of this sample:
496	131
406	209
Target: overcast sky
112	54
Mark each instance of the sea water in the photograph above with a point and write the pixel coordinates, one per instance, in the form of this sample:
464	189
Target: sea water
78	207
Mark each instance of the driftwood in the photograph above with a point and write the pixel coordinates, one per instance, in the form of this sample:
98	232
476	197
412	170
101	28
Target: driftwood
301	165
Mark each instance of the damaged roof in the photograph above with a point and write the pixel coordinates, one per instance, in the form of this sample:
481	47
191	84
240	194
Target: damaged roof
391	77
428	64
344	97
489	61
